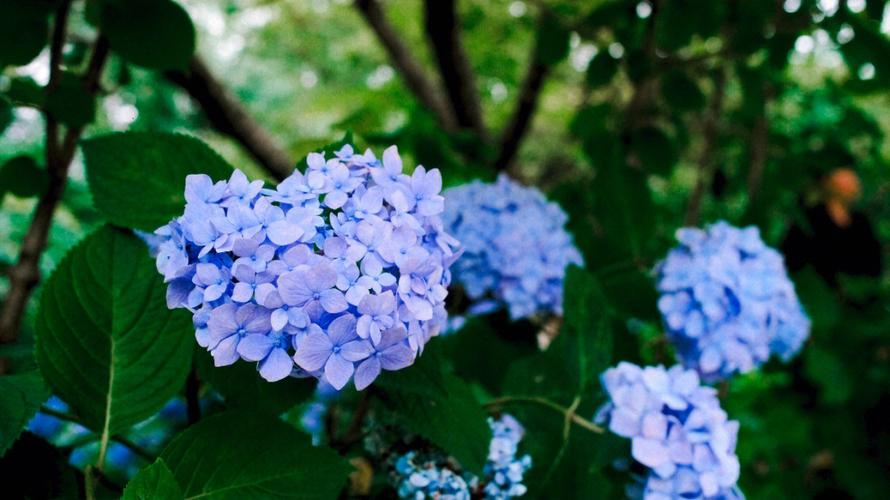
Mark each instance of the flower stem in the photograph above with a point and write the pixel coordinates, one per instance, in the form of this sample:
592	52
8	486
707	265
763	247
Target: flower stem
568	413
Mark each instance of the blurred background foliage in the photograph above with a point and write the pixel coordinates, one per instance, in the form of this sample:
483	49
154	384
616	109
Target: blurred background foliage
638	117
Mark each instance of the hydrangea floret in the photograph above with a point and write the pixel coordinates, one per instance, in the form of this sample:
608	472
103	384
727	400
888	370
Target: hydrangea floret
727	301
677	430
516	247
436	476
339	272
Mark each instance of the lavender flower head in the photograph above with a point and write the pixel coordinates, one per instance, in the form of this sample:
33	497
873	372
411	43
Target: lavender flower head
677	430
338	273
516	248
434	475
727	301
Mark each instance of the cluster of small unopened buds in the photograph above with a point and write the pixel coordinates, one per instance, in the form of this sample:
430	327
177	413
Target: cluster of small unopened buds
727	301
434	475
516	248
677	430
338	273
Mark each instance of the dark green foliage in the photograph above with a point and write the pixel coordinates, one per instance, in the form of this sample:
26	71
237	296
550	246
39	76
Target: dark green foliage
241	386
436	404
154	481
552	40
22	177
241	454
21	395
145	191
70	102
34	468
155	34
24	26
106	342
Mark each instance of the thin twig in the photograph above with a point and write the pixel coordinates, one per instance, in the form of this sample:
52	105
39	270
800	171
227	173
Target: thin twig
230	117
710	131
68	417
412	72
443	30
568	413
520	122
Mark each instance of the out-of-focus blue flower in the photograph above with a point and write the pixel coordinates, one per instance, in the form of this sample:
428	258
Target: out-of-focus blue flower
504	471
727	301
120	461
340	271
516	248
677	430
434	475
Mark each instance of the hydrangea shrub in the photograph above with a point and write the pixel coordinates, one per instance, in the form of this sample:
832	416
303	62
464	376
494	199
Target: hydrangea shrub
338	273
516	247
677	430
727	301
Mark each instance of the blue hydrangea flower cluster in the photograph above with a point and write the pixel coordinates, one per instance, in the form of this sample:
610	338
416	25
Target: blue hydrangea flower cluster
727	301
516	248
677	430
151	434
338	273
435	477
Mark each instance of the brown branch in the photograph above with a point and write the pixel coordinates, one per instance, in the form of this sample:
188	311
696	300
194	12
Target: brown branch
443	30
411	71
229	116
710	130
25	274
758	149
519	123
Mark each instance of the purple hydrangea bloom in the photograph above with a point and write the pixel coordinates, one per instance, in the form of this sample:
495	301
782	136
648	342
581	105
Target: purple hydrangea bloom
677	430
727	301
516	248
339	272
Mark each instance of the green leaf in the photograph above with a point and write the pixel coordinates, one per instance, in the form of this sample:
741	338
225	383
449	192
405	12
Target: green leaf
239	454
24	28
155	34
681	92
20	397
106	342
601	70
6	114
70	102
552	40
242	387
654	149
24	91
138	178
154	481
440	407
22	177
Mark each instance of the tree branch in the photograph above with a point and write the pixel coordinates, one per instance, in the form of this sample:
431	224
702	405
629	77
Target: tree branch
519	123
25	274
411	71
758	149
229	116
443	30
709	146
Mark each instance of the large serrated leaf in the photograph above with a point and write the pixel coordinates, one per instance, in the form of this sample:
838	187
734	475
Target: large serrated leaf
439	406
156	34
240	454
106	342
21	395
138	178
154	481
